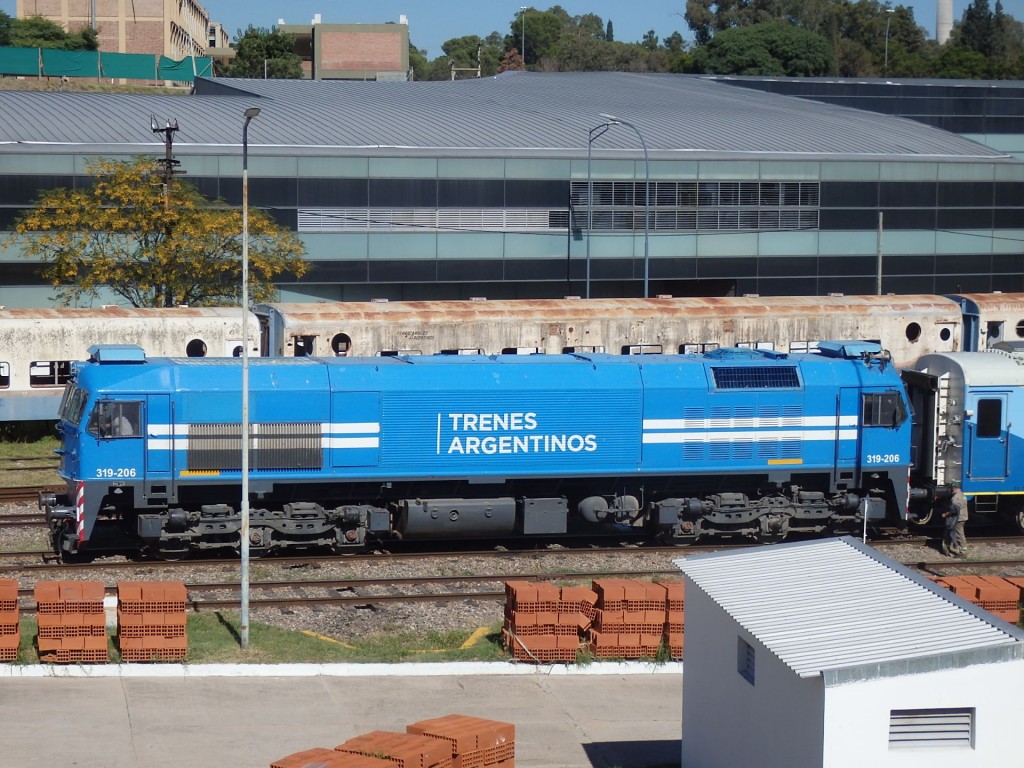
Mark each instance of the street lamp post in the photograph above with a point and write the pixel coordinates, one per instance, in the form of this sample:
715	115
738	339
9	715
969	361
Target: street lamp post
243	627
522	14
885	67
613	120
594	133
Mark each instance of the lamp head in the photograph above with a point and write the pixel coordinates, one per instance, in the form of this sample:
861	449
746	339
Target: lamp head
610	118
251	112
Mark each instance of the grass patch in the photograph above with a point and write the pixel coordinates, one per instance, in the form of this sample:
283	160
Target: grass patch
213	638
30	462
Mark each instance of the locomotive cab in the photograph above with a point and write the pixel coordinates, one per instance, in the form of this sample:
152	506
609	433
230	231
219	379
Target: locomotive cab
102	455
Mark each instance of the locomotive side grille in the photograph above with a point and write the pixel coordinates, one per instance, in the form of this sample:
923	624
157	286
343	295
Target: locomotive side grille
756	377
277	446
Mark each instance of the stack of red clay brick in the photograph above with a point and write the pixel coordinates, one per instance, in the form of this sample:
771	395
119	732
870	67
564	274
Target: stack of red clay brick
72	625
453	741
633	619
544	622
995	594
616	619
151	620
10	633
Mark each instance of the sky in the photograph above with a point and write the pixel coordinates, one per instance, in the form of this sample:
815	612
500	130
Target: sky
432	22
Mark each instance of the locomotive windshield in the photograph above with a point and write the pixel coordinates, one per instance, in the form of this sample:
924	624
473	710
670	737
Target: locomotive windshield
73	405
111	418
884	409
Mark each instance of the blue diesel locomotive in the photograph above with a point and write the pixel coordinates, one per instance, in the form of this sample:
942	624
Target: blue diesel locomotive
732	443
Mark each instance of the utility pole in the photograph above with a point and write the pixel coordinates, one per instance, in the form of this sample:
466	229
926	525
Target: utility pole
170	171
168	161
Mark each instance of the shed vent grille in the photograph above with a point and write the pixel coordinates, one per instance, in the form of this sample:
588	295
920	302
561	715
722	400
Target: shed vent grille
912	728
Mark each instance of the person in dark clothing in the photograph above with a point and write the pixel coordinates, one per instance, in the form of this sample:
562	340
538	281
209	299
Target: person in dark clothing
955	540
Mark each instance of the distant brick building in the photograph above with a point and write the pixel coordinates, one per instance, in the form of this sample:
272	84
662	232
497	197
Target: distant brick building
172	28
352	51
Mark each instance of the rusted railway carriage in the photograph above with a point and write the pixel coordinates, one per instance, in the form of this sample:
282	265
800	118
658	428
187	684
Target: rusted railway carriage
37	346
908	326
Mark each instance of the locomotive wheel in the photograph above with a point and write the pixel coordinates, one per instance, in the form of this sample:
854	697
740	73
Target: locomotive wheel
170	554
1014	512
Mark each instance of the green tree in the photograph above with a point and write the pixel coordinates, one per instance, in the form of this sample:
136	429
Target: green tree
464	52
6	22
708	17
962	63
120	233
263	52
765	49
543	32
40	32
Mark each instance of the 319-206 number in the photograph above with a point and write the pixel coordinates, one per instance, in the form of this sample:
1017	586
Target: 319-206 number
882	458
121	472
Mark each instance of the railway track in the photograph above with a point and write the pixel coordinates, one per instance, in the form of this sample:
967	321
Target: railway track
13	494
217	595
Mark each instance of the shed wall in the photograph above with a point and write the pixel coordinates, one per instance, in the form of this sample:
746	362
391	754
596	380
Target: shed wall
775	723
857	716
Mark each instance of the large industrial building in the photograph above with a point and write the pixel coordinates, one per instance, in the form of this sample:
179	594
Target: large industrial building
532	185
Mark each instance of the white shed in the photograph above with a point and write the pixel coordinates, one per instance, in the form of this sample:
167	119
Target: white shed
830	654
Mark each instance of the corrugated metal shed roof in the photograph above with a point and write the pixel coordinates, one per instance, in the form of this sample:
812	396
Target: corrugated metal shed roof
516	114
839	605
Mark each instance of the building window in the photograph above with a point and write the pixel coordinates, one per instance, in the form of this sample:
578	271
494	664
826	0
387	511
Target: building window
912	728
745	660
684	206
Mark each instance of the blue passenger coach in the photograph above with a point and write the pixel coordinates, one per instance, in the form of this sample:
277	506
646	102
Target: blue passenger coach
969	426
736	442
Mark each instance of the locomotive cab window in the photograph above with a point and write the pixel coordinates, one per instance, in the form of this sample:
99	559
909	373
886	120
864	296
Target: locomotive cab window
72	406
884	409
112	418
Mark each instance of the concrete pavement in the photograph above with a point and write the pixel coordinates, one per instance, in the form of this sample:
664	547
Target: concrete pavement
165	716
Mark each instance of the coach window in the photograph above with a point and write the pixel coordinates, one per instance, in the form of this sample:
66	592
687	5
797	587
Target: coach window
5	375
303	346
341	344
990	418
115	419
49	373
884	409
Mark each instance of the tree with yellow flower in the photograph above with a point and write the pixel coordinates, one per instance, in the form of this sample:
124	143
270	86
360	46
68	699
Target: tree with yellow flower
154	247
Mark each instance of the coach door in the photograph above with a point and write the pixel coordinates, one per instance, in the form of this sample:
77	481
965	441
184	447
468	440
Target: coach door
159	435
988	442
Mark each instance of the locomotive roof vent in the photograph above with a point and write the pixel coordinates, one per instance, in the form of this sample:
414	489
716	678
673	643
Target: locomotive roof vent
849	350
744	353
117	353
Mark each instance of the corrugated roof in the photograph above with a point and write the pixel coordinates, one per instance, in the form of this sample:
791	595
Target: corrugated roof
515	114
838	605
